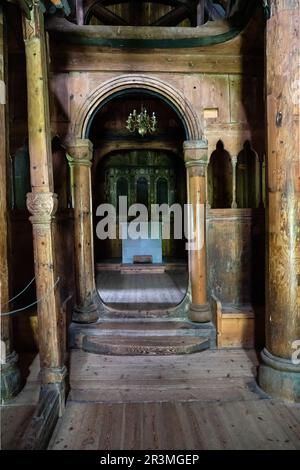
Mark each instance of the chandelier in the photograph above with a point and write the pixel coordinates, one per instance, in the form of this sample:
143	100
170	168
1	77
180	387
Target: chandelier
141	122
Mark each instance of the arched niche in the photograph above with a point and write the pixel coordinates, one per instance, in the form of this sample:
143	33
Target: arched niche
142	193
162	191
247	177
219	174
122	189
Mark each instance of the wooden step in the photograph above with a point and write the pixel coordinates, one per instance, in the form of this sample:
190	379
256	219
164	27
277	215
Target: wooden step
138	328
137	268
143	269
144	345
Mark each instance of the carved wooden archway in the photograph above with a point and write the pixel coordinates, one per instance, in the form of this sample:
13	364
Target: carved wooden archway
195	155
160	88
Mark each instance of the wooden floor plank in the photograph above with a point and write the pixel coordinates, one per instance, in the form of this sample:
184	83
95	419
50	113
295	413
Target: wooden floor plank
149	290
14	420
132	431
209	400
17	413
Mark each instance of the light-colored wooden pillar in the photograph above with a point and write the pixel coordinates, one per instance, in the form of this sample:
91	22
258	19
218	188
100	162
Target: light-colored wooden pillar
42	203
279	373
234	163
10	376
195	156
80	160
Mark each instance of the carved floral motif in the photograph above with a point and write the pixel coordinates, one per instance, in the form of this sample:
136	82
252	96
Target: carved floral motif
42	205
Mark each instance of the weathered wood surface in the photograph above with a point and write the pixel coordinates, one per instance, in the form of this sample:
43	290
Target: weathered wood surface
29	419
244	425
42	202
10	378
158	290
16	415
74	59
235	327
14	421
40	428
4	283
205	401
196	158
144	345
80	157
235	243
283	290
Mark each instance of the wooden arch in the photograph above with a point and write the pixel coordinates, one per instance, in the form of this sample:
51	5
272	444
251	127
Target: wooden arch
123	83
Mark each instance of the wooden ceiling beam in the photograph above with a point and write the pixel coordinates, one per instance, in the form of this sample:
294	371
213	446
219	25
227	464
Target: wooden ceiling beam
172	18
105	16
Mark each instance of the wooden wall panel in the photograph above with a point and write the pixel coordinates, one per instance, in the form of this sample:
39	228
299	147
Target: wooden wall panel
246	100
60	98
234	276
214	91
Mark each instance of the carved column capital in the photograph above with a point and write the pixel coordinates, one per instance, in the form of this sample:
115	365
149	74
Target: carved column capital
42	206
80	153
195	144
33	21
196	151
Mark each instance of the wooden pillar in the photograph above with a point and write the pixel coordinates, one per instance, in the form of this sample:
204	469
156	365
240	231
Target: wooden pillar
195	156
10	376
42	203
279	373
80	160
234	163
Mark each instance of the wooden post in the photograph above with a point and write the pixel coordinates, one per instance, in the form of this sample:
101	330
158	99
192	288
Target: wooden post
10	376
195	156
42	203
80	160
279	373
234	162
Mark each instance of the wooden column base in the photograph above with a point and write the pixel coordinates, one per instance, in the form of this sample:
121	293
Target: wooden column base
200	313
87	313
279	377
10	378
49	408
